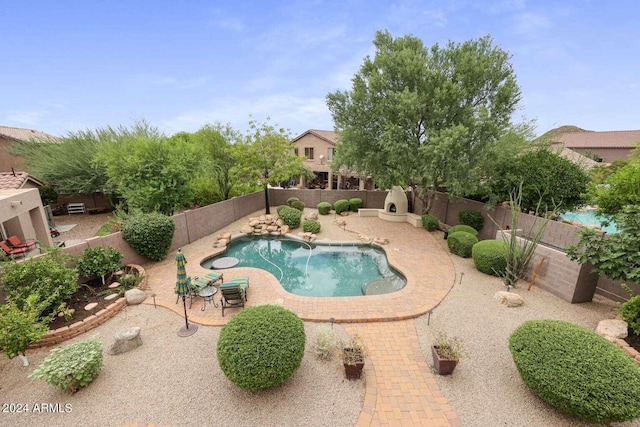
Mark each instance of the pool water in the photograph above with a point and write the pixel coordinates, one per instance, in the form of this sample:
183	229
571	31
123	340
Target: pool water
589	217
317	270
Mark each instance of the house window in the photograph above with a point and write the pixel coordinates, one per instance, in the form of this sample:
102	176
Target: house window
294	150
308	152
329	154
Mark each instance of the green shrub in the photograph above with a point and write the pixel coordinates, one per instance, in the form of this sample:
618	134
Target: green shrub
430	222
577	371
280	208
355	204
341	205
465	228
150	235
630	311
290	200
298	204
324	208
99	261
261	347
48	278
19	328
471	218
325	342
311	226
490	256
461	243
290	216
72	367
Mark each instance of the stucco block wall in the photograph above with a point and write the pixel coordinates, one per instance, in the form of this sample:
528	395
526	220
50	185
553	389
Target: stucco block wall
371	199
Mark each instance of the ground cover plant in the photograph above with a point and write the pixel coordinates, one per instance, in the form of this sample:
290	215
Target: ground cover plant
577	371
261	347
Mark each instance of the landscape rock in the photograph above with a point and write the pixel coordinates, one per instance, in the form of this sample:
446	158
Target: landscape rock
134	296
126	340
381	241
612	329
510	299
311	215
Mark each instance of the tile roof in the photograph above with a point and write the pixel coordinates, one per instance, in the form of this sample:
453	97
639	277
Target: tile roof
25	134
9	180
575	157
592	139
327	135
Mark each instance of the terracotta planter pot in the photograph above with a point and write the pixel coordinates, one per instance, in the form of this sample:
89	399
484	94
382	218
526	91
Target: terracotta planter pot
353	371
442	366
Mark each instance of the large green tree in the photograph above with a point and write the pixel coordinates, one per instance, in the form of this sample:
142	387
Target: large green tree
425	117
620	189
266	158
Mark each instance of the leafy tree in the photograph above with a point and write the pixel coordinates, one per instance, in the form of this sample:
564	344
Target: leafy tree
425	117
617	255
548	180
21	327
620	189
266	157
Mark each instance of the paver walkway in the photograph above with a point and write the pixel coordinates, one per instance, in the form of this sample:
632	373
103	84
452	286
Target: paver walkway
400	387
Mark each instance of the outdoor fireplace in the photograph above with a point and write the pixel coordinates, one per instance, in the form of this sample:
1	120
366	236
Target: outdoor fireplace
396	201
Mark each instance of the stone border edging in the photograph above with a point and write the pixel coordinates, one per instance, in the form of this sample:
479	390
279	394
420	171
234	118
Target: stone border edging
66	333
628	349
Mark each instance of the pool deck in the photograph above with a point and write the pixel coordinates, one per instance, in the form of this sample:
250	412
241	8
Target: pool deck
400	386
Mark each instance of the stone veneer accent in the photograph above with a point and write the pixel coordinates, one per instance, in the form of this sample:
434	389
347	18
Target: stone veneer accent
66	333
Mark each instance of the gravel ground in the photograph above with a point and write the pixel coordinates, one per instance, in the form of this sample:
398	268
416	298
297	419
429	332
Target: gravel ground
176	381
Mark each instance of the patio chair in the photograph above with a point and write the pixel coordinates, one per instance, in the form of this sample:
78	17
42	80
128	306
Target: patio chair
199	283
242	281
15	243
232	297
12	252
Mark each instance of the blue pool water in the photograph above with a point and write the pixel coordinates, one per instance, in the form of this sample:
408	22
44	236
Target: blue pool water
317	270
589	217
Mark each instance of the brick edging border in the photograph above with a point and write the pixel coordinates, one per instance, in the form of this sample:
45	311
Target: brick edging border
66	333
628	349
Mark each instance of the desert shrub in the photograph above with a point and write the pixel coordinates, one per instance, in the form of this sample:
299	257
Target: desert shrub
19	328
465	228
355	204
461	243
280	208
311	226
72	367
290	216
490	256
471	218
261	347
149	234
298	204
430	222
324	344
341	205
98	261
577	371
290	200
324	208
48	278
630	311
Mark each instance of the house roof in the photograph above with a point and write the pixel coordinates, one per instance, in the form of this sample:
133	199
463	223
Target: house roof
575	157
17	180
327	135
592	139
20	134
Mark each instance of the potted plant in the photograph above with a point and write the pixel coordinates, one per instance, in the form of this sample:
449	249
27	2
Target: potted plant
446	353
352	351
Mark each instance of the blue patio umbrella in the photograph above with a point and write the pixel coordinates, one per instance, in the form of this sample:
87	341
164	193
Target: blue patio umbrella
182	289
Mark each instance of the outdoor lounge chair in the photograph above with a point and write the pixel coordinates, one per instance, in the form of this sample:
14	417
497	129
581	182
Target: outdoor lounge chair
198	283
242	281
15	243
232	297
12	252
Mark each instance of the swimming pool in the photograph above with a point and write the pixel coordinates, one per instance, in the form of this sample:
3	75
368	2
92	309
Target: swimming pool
589	217
317	270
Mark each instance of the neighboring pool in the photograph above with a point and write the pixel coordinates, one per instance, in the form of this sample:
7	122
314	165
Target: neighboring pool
589	217
317	270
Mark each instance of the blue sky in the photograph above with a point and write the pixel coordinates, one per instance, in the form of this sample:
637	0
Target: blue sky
71	65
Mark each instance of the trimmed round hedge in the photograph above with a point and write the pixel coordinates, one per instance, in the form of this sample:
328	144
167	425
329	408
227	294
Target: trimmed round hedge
577	371
471	218
291	200
290	216
261	347
490	256
430	222
149	234
341	205
461	243
324	208
311	226
298	204
355	204
465	228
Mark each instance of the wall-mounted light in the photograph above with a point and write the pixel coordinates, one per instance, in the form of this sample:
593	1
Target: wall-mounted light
16	203
321	158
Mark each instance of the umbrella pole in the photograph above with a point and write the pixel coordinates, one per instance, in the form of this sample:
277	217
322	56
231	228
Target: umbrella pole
185	331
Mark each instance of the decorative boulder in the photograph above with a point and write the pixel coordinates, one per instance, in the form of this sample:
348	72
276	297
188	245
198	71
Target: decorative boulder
126	340
510	299
612	329
134	296
311	215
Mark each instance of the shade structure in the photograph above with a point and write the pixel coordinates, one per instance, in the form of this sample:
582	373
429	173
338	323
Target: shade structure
182	289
